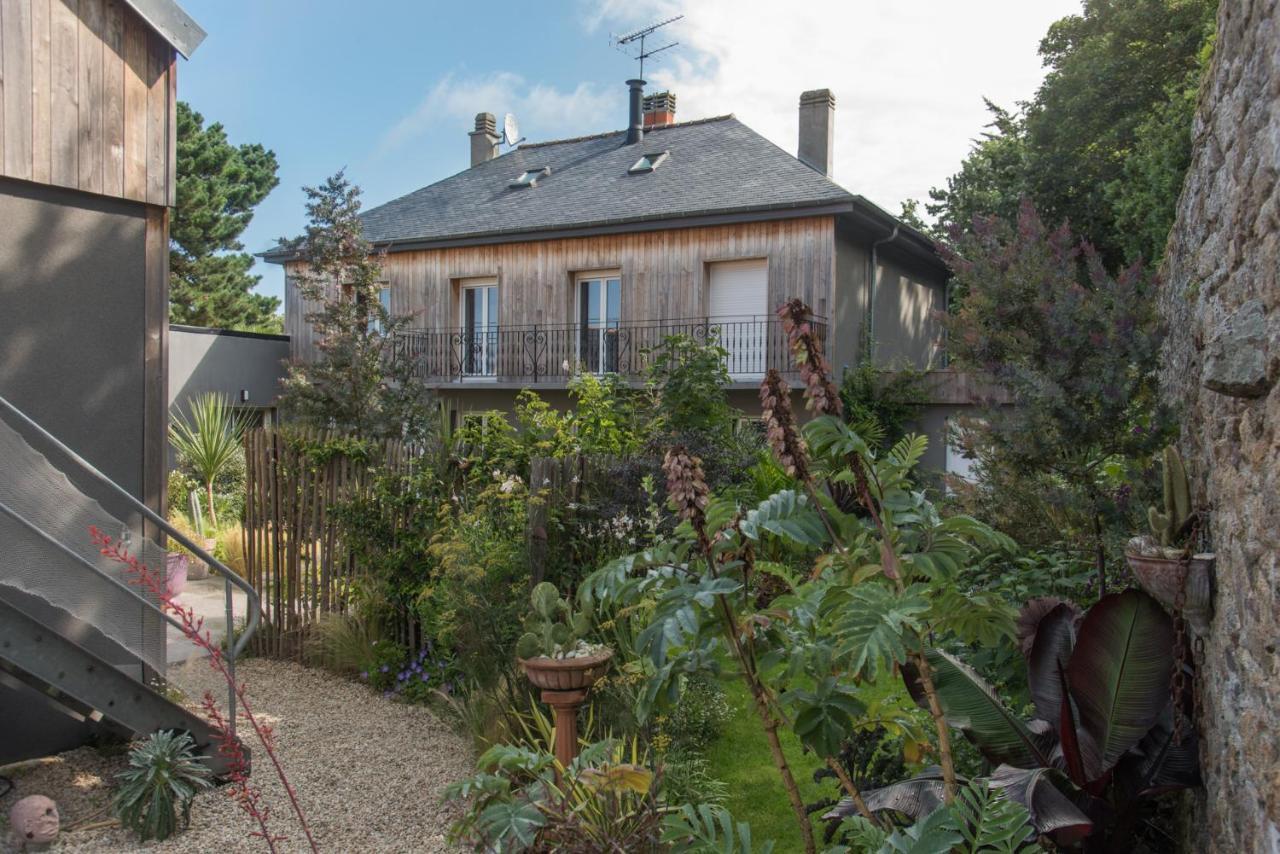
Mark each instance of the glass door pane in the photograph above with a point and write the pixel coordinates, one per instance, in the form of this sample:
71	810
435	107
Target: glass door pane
479	329
599	321
612	324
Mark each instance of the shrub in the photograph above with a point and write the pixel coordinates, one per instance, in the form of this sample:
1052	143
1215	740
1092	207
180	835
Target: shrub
230	549
688	379
687	779
880	404
699	716
342	644
1077	348
606	800
157	788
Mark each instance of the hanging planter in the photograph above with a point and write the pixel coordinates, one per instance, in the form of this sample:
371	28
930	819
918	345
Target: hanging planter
1164	578
1163	561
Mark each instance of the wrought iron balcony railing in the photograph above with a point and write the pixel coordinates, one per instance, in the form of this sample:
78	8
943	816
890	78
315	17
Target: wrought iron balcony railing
555	352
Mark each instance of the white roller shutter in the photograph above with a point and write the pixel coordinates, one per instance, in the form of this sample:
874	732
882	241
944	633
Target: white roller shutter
739	309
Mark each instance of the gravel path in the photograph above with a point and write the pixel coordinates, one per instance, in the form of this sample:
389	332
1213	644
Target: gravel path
369	772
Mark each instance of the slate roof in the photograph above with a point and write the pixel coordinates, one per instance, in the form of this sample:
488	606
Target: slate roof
715	166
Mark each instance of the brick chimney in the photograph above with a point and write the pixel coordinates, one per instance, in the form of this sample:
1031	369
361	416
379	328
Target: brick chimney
484	139
817	129
659	109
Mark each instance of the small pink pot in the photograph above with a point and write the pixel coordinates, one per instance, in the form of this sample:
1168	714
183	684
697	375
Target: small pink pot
175	572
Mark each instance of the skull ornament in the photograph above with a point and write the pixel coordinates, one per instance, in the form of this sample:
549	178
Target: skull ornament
34	821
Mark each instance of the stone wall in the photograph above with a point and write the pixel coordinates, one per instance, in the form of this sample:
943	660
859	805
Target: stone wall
1222	304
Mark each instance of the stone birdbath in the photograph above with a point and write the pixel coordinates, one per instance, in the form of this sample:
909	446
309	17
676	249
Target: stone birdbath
556	658
565	683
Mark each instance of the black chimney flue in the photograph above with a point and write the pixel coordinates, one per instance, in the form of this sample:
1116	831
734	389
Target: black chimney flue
635	132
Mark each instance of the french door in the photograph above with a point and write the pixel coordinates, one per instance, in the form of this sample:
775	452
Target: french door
599	322
479	330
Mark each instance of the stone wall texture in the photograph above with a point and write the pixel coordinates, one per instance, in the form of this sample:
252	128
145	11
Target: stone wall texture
1222	303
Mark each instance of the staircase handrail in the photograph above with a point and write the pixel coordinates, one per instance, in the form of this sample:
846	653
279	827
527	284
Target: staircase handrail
252	600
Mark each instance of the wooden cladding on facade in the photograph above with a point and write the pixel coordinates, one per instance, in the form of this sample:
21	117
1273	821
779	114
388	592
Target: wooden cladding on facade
87	99
665	274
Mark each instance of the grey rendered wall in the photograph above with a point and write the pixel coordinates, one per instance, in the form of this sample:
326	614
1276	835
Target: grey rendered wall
212	360
73	309
906	330
72	272
847	330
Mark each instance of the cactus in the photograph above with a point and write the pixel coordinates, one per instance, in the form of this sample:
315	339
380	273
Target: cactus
1168	526
553	629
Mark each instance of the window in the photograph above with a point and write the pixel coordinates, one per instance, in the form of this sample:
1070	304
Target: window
649	162
599	322
375	318
529	177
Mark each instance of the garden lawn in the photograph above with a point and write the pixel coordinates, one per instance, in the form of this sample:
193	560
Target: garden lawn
740	757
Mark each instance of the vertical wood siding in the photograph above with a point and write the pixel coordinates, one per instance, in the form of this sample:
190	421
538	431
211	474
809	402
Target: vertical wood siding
87	99
664	274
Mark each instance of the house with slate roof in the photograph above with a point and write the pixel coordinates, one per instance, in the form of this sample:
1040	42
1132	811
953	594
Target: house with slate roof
582	254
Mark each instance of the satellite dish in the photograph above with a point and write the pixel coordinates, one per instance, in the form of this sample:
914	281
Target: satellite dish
510	130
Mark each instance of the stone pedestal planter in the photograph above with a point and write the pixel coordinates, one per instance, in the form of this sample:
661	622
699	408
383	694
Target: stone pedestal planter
565	683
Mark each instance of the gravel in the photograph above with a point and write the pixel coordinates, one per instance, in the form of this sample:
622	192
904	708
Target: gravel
369	772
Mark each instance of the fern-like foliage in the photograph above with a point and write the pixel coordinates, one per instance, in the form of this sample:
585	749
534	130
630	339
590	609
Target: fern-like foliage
936	833
873	625
990	822
706	829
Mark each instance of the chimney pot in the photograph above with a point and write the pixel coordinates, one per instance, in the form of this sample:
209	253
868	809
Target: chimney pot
484	139
635	127
659	109
817	129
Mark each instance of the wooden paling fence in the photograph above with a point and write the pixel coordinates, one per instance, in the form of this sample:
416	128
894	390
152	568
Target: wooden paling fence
294	553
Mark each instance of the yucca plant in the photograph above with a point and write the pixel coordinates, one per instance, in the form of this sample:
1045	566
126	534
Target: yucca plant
209	440
162	779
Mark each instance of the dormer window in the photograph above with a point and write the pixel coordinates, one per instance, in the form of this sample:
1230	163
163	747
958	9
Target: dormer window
649	162
530	177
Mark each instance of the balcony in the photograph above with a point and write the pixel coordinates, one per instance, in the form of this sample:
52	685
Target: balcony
552	354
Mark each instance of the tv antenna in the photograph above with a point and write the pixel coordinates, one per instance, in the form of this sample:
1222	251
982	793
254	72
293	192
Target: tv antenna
638	37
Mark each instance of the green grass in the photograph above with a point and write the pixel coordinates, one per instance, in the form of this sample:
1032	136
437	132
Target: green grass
740	757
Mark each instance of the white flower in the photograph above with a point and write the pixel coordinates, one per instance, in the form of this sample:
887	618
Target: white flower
546	481
497	474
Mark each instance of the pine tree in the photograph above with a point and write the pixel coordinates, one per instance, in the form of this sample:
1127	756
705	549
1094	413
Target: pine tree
219	185
358	384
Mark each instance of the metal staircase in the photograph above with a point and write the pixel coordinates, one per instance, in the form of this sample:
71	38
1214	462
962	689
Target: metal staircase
79	642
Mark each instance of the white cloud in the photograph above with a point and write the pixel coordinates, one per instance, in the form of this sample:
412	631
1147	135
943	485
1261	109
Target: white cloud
909	78
541	108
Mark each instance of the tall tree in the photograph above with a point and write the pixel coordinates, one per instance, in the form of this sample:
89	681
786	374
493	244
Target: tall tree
1078	349
219	185
359	384
1105	142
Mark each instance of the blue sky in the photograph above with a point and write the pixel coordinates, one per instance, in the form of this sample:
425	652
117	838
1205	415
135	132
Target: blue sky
389	91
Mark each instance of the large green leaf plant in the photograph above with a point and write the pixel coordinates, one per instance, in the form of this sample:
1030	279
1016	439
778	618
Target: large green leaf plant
885	578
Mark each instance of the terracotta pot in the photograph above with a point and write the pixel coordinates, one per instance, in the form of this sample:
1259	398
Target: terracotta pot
1161	577
566	674
175	570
